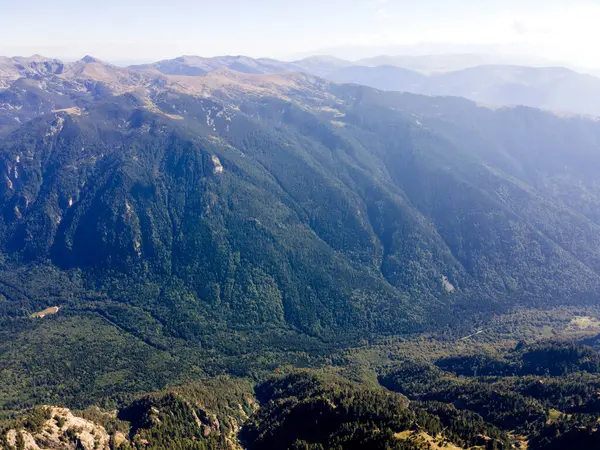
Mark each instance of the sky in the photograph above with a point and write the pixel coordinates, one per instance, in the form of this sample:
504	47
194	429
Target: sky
148	30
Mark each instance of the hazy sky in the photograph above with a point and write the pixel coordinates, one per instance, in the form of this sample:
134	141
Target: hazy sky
138	30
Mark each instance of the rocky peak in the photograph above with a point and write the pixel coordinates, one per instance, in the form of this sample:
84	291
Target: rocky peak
90	59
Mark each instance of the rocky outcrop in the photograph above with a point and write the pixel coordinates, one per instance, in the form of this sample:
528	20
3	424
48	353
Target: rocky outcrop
61	430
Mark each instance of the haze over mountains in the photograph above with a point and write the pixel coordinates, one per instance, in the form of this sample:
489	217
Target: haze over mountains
469	75
463	75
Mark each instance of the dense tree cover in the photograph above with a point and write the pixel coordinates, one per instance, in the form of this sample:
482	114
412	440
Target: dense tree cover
417	405
321	411
547	391
197	416
333	230
578	433
540	358
80	359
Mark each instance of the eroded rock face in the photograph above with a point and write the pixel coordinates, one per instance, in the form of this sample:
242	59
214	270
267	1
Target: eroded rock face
61	430
156	421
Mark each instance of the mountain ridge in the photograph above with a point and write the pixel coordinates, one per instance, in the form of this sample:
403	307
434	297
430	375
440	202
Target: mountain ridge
498	84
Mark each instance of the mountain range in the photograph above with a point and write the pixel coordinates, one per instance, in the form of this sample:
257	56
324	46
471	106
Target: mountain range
463	75
469	76
198	217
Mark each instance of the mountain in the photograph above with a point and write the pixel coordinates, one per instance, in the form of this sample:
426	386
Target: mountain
320	65
159	228
12	69
437	63
36	86
196	65
463	75
558	89
386	78
513	53
434	64
552	88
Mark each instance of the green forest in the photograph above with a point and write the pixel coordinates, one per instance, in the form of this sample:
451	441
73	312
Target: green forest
284	262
